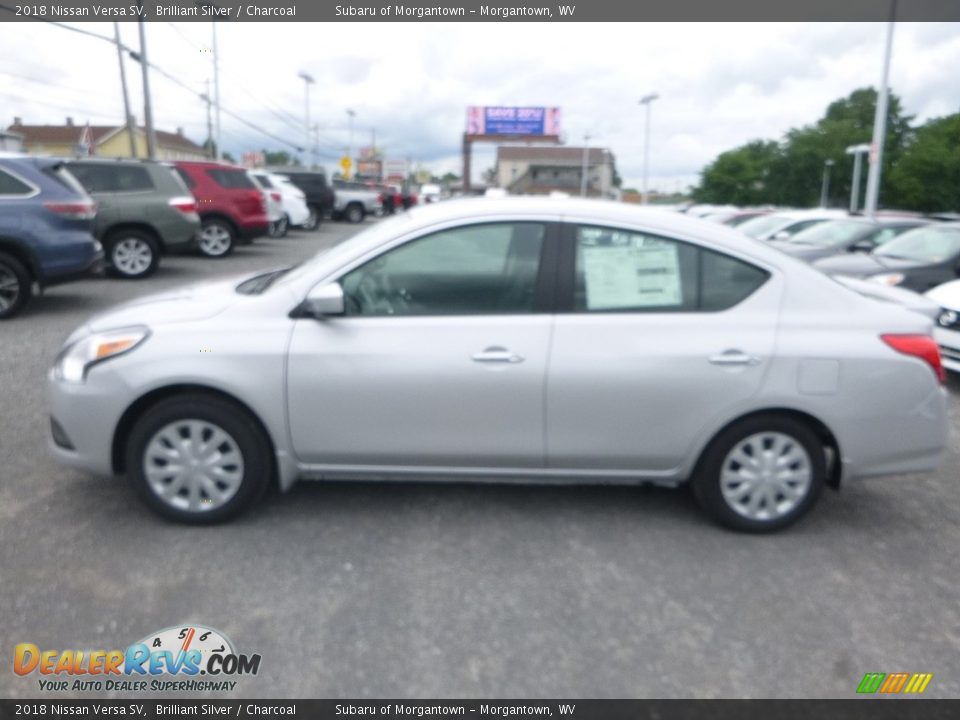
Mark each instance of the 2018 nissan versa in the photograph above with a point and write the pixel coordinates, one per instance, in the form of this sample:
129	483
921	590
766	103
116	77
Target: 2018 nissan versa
544	340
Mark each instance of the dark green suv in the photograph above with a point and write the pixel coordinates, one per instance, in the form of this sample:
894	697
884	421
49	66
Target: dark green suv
143	211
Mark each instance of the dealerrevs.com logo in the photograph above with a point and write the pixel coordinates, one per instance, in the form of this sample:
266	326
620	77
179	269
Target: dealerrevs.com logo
177	659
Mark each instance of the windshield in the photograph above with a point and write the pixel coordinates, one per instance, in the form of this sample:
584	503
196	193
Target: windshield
927	244
762	225
829	234
372	236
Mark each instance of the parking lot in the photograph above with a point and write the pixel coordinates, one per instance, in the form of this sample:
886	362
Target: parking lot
452	590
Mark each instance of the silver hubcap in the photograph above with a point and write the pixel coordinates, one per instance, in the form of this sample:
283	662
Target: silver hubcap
193	465
131	256
765	476
9	288
214	240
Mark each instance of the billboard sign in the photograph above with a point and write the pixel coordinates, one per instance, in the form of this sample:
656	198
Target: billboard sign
484	120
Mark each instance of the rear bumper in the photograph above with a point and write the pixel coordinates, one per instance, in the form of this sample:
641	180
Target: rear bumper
949	342
93	268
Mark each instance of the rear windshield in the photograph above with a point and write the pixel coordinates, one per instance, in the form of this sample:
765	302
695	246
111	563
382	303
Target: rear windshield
59	173
761	225
829	234
233	179
926	244
185	177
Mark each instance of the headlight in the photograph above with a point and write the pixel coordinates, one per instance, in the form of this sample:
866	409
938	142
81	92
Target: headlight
887	278
75	360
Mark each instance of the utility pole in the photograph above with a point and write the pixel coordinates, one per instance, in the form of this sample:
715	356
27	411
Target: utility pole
350	115
583	169
216	89
646	100
857	151
128	117
825	187
147	109
307	82
880	123
206	97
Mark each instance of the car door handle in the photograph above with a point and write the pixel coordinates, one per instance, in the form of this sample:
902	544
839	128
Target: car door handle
497	355
734	357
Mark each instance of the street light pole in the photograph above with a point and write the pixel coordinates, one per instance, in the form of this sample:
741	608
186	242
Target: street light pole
880	123
825	187
350	115
857	151
646	100
307	82
583	169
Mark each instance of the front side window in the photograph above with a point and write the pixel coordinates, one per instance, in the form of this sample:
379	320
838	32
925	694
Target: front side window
625	271
488	269
932	244
232	179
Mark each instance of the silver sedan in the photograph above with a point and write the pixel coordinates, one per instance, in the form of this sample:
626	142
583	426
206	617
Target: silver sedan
515	339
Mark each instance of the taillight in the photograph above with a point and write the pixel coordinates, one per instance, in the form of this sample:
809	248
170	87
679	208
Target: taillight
186	205
73	210
276	197
919	346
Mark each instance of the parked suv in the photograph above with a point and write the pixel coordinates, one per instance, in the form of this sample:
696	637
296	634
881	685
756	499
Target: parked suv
46	229
319	194
231	206
353	201
143	211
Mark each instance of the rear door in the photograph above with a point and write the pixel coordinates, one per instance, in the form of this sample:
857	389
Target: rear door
659	339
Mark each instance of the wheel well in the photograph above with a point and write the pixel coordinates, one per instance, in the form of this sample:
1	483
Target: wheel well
826	436
222	217
142	227
143	404
24	256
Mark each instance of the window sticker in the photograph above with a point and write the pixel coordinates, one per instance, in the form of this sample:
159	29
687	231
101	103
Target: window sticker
619	277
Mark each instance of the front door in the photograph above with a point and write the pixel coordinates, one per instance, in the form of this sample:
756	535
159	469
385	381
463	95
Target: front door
439	360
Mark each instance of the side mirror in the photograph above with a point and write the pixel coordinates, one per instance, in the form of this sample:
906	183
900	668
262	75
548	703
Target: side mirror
862	246
782	235
323	301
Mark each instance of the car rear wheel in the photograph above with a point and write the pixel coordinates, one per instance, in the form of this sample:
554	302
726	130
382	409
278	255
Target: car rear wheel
198	459
133	254
15	286
216	238
354	213
313	219
762	474
280	228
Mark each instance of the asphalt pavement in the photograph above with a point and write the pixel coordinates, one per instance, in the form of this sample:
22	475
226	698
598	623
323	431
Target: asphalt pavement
370	590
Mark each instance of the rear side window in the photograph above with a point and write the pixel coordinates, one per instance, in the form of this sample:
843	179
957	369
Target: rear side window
185	177
96	177
624	271
264	182
232	179
9	185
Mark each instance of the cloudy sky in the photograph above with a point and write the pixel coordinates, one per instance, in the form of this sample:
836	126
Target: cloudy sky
720	84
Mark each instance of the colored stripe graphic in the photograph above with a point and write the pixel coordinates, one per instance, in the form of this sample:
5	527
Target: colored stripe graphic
870	683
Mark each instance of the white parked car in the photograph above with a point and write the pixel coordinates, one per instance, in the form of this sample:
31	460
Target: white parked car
430	193
947	330
784	224
286	203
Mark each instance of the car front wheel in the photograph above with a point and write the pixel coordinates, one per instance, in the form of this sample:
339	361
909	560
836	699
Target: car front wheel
216	239
761	474
198	459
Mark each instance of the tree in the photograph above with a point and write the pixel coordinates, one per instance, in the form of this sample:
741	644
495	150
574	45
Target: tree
926	177
280	158
739	176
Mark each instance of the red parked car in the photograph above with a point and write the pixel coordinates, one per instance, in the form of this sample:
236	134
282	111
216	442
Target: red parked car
231	207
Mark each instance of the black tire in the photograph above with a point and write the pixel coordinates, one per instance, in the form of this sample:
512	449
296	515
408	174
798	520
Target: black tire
16	286
131	254
280	228
354	213
217	238
706	481
232	419
314	219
